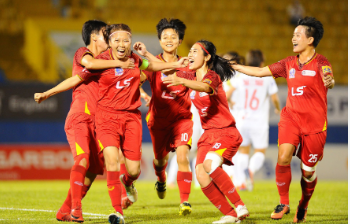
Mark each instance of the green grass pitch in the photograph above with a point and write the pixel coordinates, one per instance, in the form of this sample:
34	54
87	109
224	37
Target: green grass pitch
37	202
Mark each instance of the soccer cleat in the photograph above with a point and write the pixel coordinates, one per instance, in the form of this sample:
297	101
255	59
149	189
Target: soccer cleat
126	203
77	214
228	219
279	211
116	218
300	215
62	216
161	189
131	191
242	212
185	208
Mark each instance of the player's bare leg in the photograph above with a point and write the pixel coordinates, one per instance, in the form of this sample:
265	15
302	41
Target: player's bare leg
184	178
111	156
159	166
255	164
241	166
133	171
283	179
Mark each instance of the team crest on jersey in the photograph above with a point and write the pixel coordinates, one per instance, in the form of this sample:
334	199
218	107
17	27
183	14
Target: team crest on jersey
308	73
326	69
118	71
201	94
292	73
207	81
162	76
193	93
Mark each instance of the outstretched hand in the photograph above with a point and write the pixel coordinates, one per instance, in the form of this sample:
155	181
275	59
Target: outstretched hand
183	62
140	48
40	97
172	80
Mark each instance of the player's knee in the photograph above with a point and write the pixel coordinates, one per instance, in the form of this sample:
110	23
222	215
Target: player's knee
134	172
82	160
211	162
308	173
182	160
201	174
283	160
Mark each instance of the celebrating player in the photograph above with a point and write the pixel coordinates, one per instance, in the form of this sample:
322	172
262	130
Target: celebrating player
304	119
251	111
220	140
169	118
79	127
118	120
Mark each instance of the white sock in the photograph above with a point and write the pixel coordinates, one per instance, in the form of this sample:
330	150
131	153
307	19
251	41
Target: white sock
193	167
172	173
239	167
256	162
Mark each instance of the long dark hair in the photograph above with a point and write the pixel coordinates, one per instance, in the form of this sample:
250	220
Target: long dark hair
216	63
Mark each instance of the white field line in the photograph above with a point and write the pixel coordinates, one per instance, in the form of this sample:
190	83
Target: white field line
40	210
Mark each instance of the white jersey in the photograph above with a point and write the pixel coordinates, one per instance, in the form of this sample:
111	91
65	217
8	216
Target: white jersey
251	97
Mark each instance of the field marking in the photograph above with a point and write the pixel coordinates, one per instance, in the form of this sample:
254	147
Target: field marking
40	210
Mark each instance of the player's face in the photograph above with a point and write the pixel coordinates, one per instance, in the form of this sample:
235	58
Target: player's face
169	40
196	57
101	43
300	40
120	43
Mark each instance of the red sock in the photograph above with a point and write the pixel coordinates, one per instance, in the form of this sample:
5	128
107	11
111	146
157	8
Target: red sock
84	190
67	204
217	198
184	180
123	171
114	190
77	176
307	191
160	172
224	183
283	179
128	180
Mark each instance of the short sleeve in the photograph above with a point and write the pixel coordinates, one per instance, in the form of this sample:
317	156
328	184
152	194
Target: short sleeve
186	73
148	74
213	80
324	66
278	69
81	52
272	88
85	74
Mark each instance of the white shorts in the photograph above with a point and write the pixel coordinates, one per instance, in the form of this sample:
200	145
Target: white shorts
257	136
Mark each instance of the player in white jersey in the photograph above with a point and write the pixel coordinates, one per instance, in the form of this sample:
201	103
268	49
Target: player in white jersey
250	96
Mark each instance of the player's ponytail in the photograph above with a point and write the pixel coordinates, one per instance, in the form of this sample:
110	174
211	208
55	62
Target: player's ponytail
216	63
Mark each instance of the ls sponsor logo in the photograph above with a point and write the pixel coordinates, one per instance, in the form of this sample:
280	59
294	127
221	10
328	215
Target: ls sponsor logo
299	91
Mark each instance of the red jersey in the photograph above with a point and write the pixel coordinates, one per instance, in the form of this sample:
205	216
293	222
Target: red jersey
307	95
85	94
118	87
168	104
213	108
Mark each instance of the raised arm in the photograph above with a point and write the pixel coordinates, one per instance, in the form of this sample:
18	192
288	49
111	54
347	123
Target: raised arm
253	71
91	63
63	86
174	80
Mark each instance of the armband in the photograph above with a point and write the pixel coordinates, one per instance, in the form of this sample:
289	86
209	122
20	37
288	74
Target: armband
144	65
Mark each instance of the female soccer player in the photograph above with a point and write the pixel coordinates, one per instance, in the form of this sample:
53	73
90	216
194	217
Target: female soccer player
79	127
169	118
118	120
221	139
251	112
304	119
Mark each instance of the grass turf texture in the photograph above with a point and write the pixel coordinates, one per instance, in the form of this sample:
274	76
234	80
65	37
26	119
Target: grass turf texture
329	203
